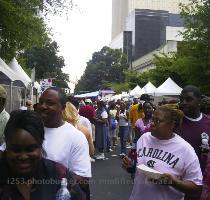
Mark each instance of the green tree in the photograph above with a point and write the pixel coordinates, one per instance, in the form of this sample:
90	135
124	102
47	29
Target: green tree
47	63
56	6
106	66
20	27
196	48
168	66
134	78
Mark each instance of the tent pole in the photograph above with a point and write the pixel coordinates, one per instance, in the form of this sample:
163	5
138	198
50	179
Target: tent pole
10	104
32	94
25	95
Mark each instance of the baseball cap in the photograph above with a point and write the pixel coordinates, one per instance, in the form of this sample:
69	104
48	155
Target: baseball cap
88	101
3	93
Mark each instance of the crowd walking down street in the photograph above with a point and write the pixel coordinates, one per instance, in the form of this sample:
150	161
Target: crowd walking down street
123	150
104	99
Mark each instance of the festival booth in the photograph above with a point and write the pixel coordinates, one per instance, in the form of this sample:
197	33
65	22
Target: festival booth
116	97
14	65
136	91
87	95
149	89
32	89
106	95
101	94
13	84
169	90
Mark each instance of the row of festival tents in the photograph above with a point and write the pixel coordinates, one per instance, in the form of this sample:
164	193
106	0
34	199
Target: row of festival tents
95	94
168	88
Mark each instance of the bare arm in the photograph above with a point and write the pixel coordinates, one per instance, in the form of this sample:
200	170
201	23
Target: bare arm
137	132
89	138
182	186
91	145
101	120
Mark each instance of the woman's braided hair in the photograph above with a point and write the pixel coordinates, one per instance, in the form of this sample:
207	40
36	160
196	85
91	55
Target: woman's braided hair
174	114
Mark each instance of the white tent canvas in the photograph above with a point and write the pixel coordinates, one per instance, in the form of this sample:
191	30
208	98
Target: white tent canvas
169	87
5	69
19	70
90	94
149	88
136	91
37	86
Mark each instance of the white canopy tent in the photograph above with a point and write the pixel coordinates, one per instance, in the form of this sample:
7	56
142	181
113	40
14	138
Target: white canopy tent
116	97
37	86
169	87
90	94
149	88
13	84
7	71
136	91
19	70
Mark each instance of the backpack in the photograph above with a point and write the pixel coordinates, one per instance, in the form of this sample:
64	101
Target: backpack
113	123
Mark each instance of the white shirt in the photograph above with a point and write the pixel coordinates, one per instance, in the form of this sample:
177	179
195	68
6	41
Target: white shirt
85	122
23	108
174	156
104	115
195	120
68	146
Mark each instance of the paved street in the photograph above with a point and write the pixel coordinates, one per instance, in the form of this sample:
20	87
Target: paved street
110	181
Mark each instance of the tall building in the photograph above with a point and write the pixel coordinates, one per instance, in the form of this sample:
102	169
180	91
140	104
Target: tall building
121	9
172	6
149	29
119	14
140	27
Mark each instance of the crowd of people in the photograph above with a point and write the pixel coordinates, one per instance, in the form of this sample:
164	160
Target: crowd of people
62	135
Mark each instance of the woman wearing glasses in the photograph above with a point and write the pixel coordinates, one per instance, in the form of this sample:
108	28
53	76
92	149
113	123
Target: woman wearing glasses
166	152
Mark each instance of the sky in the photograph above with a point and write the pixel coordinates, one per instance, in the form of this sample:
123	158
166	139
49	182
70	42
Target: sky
87	30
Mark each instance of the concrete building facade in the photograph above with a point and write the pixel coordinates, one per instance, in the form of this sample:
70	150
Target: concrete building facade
152	25
121	9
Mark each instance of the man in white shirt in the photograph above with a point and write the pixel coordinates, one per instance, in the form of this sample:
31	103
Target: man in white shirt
63	142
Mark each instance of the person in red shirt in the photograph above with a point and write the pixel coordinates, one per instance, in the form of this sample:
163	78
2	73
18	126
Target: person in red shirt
88	111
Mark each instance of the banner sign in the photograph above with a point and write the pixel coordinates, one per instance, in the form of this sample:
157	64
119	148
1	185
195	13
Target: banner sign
45	83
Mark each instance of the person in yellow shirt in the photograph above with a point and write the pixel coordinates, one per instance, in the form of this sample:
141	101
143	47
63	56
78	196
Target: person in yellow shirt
136	113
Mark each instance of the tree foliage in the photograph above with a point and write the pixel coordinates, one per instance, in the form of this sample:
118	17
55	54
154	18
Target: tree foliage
56	6
196	48
20	27
47	63
24	35
105	68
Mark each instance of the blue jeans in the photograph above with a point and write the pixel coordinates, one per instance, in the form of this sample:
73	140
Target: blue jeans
123	132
